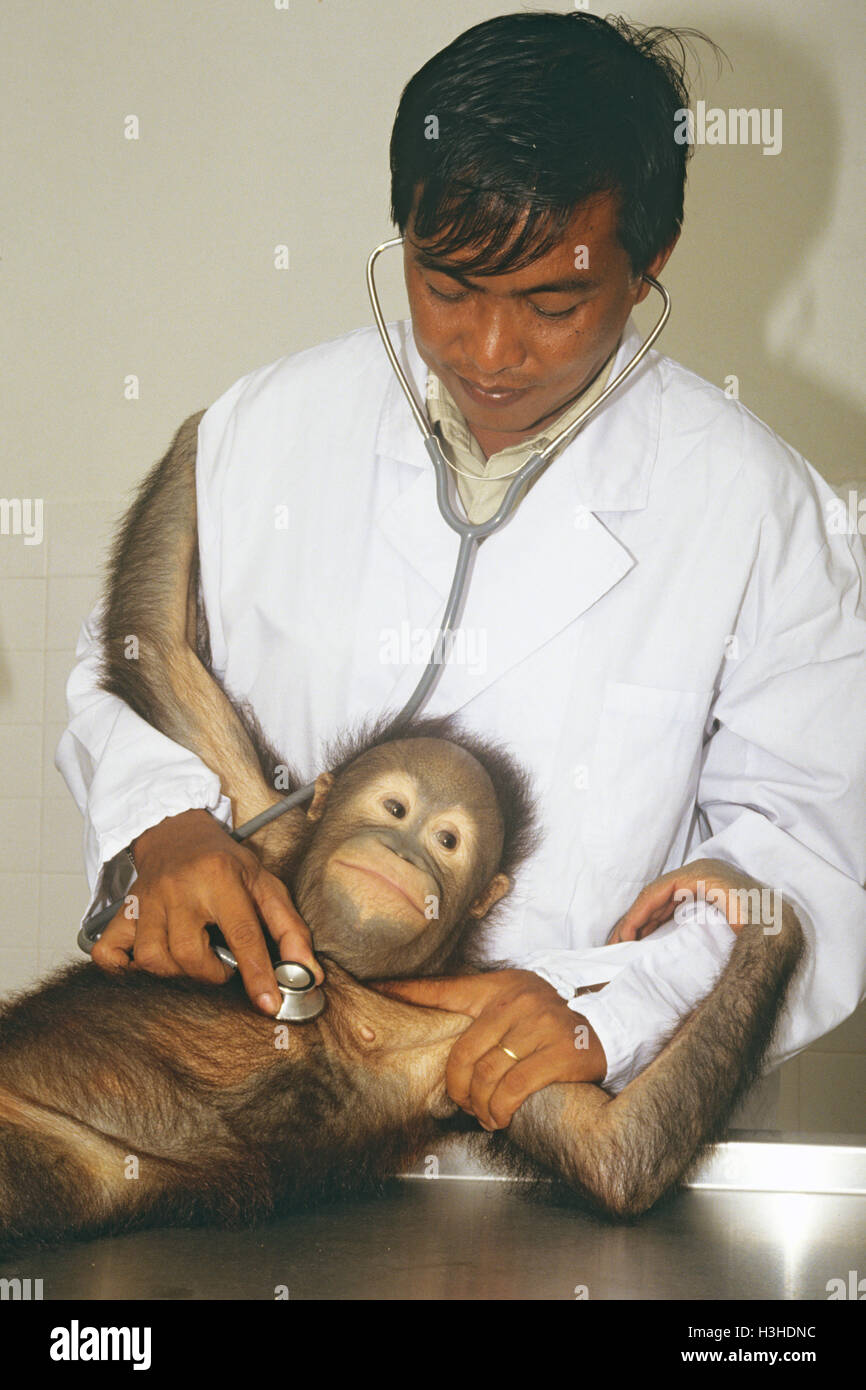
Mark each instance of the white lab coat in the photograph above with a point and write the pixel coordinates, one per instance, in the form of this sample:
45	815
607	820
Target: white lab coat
664	634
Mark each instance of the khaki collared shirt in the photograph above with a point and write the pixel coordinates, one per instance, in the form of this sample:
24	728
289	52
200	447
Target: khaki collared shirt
482	492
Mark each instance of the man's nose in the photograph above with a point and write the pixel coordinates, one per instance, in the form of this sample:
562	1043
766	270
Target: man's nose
492	342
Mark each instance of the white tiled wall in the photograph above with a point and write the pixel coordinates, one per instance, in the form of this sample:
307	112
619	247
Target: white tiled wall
824	1088
45	591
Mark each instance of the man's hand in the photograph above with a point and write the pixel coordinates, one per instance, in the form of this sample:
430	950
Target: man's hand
191	872
709	879
513	1009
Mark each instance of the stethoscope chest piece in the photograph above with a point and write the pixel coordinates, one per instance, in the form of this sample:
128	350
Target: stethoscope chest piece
302	997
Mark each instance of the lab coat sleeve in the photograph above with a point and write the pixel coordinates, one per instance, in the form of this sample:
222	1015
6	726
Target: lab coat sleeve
124	775
653	985
783	793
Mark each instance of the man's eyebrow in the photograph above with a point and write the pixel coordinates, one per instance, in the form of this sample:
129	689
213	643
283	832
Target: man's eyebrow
565	285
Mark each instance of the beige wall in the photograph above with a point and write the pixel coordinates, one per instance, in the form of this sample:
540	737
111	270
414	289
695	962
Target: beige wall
154	257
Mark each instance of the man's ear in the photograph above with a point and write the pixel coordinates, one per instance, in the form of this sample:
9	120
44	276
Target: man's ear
324	783
655	269
496	889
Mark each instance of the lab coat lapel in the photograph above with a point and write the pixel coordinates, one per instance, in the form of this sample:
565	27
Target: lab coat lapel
551	561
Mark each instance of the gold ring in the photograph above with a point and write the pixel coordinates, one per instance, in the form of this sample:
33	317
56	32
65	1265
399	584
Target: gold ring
508	1050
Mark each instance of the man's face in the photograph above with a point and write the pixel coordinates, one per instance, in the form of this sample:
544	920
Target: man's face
534	338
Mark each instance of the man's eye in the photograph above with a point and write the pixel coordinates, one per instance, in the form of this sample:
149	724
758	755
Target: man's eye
559	314
446	839
395	808
440	294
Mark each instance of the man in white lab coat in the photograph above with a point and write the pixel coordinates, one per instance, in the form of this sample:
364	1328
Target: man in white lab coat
665	633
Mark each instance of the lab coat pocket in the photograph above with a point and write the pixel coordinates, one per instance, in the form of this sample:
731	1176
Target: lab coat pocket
644	776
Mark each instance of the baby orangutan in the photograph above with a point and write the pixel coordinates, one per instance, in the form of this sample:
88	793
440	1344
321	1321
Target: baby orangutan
129	1099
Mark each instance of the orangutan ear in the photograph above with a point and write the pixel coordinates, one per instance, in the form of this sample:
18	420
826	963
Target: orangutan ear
324	783
496	889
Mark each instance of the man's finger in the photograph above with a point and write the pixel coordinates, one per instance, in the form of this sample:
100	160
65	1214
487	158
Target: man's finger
469	1052
285	923
656	903
487	1075
191	949
524	1039
151	952
652	906
111	951
526	1077
239	924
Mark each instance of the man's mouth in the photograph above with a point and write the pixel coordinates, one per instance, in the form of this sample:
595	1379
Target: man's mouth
491	395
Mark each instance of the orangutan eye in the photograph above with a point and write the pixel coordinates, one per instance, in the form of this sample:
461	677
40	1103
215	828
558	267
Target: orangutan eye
446	839
395	808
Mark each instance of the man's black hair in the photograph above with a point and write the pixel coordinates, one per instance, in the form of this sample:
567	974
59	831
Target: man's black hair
539	112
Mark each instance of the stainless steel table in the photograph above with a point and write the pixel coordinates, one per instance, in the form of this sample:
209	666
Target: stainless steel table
464	1237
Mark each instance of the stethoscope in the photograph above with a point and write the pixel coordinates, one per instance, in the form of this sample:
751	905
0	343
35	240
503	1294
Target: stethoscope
297	987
